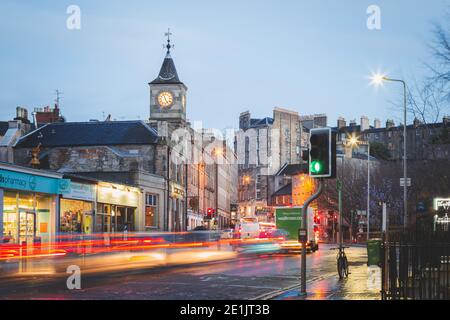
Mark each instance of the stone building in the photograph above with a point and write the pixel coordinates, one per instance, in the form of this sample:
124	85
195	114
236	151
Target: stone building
263	147
193	164
126	152
212	180
145	155
424	141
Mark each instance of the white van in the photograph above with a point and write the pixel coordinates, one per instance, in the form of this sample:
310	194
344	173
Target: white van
247	228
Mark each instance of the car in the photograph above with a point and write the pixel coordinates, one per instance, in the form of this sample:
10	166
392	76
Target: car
227	234
200	228
279	234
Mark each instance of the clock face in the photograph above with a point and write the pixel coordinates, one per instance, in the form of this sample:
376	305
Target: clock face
165	99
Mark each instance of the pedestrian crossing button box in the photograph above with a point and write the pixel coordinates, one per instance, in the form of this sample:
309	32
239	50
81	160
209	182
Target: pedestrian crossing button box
302	235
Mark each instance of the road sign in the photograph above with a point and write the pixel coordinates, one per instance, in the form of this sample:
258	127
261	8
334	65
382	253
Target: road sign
402	182
420	207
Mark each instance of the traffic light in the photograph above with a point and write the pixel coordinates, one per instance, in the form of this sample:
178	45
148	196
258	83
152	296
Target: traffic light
210	213
322	153
316	219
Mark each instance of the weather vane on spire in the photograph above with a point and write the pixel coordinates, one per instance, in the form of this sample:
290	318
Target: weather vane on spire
168	46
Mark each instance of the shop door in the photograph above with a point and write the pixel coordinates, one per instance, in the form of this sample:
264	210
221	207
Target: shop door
130	219
27	226
121	218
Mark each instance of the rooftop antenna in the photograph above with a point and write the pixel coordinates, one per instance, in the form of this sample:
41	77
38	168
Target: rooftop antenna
169	45
58	97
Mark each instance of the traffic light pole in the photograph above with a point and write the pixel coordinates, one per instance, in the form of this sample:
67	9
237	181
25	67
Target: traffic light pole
304	240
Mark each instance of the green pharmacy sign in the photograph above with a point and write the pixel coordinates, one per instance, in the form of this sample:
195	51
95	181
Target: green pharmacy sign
34	183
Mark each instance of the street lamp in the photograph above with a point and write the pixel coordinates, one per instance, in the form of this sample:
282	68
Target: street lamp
353	142
378	79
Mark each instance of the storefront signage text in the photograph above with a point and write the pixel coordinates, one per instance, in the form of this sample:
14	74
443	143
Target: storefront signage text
28	182
177	191
112	195
441	204
81	191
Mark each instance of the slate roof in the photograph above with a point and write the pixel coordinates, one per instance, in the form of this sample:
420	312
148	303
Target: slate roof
284	191
3	127
168	73
90	134
260	122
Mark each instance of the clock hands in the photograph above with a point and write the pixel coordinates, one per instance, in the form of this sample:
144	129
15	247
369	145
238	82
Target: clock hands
165	99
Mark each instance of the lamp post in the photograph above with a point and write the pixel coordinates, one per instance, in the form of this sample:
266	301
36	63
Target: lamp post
378	80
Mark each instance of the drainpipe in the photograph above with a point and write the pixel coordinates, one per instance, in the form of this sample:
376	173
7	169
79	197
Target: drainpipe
168	189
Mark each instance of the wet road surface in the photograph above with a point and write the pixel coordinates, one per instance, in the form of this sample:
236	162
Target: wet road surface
246	277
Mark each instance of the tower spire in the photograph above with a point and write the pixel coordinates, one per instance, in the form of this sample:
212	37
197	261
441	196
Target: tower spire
168	46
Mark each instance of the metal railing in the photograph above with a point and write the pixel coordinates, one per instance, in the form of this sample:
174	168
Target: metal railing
416	266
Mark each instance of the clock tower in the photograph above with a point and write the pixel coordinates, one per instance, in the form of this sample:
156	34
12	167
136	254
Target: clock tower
168	95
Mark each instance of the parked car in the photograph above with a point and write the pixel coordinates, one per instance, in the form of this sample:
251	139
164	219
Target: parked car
200	228
227	234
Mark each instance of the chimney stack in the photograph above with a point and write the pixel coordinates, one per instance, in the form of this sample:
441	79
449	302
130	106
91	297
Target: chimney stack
446	120
22	115
244	120
364	123
341	123
377	124
352	123
416	122
390	123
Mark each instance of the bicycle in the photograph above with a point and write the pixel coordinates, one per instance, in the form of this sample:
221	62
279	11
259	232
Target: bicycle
342	262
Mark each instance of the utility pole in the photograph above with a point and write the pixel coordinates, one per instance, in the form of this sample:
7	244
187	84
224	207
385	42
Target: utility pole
303	235
368	190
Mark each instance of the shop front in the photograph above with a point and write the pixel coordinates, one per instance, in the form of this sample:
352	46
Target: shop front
77	209
117	208
176	207
29	204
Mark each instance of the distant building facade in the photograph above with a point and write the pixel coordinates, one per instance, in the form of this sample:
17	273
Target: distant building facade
424	141
263	147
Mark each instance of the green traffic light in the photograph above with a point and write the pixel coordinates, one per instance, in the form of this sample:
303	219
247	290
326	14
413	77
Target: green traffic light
316	167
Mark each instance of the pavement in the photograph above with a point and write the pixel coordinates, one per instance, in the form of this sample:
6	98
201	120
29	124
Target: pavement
363	283
246	277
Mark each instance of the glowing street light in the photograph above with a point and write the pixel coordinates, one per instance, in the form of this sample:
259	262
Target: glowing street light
379	79
218	152
353	141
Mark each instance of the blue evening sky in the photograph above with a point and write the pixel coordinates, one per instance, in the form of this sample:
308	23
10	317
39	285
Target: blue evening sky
234	55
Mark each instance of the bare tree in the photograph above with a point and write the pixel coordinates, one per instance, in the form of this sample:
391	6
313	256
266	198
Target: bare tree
440	49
